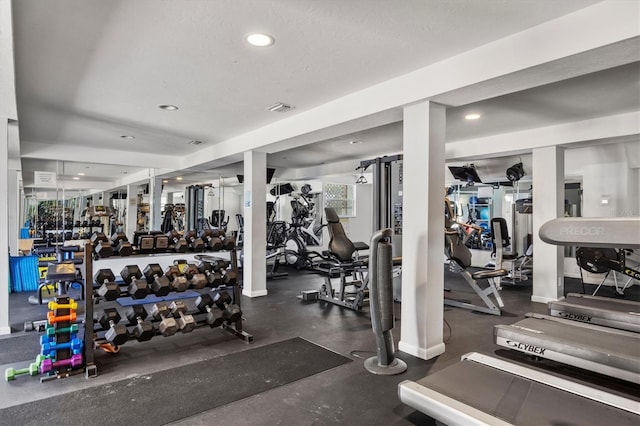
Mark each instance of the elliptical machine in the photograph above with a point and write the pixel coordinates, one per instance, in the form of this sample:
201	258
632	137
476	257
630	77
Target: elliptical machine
303	230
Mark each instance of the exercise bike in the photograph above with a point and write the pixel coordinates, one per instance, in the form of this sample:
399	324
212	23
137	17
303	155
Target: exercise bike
605	261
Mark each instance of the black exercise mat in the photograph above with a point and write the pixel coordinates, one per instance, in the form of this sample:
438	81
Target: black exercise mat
181	392
20	348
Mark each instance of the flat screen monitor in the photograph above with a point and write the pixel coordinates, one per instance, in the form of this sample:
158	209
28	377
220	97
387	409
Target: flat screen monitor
270	173
465	173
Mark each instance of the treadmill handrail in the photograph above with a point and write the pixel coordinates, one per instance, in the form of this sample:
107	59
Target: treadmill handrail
603	232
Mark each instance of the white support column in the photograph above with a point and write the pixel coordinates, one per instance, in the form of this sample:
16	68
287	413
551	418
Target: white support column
422	248
548	196
132	211
5	327
255	224
95	199
155	203
14	210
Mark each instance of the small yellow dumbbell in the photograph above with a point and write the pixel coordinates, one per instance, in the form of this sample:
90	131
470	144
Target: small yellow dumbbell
55	305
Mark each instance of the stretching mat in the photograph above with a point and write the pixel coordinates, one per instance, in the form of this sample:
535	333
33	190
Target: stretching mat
180	392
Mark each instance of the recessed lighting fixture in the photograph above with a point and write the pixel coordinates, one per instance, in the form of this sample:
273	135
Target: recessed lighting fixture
168	107
127	137
259	39
80	174
195	142
355	142
472	116
178	178
165	181
279	107
76	178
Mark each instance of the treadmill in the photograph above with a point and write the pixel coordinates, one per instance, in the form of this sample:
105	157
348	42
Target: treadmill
605	311
614	353
483	390
486	390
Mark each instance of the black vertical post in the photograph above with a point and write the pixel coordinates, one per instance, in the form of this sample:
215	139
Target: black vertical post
90	367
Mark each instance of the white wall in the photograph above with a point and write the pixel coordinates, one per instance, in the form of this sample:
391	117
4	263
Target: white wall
228	199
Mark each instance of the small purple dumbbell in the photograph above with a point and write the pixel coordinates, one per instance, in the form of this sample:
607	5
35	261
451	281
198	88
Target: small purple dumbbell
48	365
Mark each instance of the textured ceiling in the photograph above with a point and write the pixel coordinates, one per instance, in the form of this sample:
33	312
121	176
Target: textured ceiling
90	71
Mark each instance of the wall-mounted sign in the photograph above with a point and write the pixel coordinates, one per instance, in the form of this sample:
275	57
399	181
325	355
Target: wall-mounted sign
45	179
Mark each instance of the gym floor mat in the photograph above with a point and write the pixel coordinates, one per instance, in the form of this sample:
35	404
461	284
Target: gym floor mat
20	348
181	392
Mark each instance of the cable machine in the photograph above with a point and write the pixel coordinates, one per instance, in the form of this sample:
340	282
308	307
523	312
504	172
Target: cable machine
194	207
387	204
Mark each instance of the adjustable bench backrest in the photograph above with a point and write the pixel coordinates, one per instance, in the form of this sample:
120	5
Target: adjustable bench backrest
339	244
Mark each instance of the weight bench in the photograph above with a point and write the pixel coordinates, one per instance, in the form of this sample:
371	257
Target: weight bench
61	276
459	257
342	259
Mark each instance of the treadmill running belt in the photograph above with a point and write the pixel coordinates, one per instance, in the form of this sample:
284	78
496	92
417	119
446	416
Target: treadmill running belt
519	400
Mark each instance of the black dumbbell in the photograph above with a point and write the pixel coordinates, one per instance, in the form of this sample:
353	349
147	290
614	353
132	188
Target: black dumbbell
204	303
178	281
116	333
121	244
180	245
230	311
214	279
186	323
160	285
210	240
195	243
228	243
109	289
146	243
161	242
197	279
230	277
167	325
220	265
137	287
101	245
143	330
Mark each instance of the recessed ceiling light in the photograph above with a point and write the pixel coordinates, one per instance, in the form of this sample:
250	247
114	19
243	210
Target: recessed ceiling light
127	137
472	116
165	181
279	107
168	107
259	39
80	174
76	178
355	142
178	178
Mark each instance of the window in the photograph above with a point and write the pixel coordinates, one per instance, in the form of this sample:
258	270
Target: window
341	197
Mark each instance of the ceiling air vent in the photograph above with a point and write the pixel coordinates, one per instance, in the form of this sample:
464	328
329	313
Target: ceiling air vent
194	142
279	107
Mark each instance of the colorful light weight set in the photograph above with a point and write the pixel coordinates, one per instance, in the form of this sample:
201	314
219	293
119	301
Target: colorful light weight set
60	346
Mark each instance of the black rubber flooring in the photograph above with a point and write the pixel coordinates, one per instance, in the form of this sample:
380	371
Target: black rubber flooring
19	348
181	392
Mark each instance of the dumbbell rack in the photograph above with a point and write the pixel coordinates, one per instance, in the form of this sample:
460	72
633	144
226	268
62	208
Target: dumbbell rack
60	343
93	336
